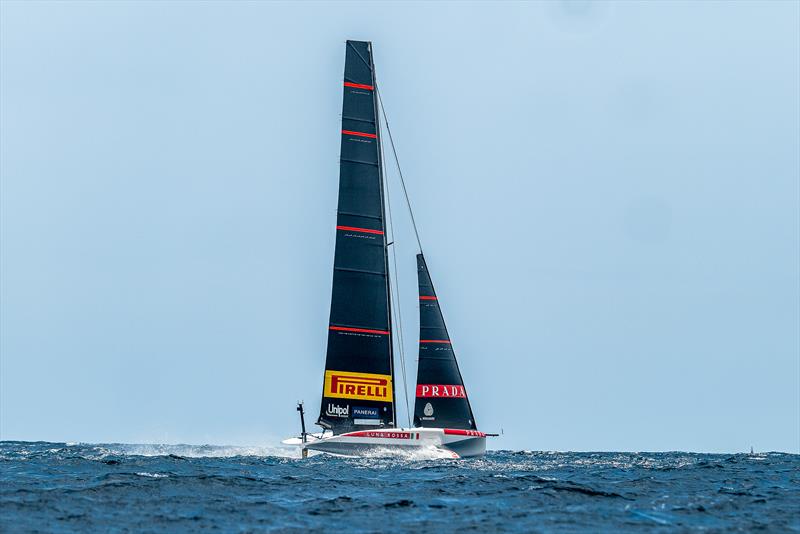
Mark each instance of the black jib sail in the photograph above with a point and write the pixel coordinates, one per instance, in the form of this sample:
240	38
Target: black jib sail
441	399
358	388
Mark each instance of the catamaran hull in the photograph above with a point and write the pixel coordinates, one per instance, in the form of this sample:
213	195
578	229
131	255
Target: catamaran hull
459	443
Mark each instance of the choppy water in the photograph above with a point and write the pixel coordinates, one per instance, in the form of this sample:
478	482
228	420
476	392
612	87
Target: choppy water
112	488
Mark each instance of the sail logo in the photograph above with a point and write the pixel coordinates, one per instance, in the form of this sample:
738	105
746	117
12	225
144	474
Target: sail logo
441	390
383	434
334	410
366	416
366	413
362	386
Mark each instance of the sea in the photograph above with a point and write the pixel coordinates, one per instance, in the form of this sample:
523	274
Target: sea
82	487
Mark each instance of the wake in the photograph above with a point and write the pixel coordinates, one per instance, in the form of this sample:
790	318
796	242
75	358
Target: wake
183	450
411	454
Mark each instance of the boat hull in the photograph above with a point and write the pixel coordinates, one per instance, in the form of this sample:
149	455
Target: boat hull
456	442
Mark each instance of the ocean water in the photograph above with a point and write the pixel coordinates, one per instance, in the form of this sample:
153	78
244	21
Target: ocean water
60	487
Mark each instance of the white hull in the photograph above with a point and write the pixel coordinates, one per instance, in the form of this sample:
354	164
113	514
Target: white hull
458	443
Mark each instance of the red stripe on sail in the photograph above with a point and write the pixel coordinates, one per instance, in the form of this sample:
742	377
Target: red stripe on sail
359	134
358	85
355	229
359	330
447	341
425	297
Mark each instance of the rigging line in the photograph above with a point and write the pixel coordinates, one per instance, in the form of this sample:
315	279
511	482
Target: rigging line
399	315
400	339
397	163
383	193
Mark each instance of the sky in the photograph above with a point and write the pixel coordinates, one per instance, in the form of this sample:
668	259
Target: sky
607	193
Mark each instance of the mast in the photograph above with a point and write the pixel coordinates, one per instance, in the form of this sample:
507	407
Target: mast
441	399
384	193
358	389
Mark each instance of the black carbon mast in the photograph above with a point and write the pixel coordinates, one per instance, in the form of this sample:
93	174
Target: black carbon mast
358	390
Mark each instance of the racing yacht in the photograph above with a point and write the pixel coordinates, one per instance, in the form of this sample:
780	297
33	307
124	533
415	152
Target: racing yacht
358	409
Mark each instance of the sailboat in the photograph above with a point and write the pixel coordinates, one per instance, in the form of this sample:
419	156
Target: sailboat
358	409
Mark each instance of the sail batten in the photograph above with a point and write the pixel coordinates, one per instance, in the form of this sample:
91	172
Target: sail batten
358	389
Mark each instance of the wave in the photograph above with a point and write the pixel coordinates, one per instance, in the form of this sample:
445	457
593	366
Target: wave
182	450
412	454
152	475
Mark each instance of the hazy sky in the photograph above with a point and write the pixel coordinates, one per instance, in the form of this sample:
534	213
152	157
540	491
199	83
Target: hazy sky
607	195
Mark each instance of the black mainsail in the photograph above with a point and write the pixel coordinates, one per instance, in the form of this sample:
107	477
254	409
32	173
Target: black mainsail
441	400
359	376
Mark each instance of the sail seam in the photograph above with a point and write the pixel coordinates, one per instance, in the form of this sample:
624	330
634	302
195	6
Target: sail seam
364	271
358	161
351	214
357	119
